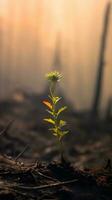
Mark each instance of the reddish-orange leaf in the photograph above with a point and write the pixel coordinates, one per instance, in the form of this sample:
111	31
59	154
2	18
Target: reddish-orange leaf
48	104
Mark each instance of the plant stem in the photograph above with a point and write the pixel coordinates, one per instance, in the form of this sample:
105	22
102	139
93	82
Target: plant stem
52	94
61	149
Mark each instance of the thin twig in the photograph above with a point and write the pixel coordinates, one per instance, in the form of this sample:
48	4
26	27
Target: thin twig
35	166
47	186
4	131
21	153
45	176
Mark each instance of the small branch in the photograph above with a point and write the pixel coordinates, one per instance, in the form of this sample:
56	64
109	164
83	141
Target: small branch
47	177
37	166
21	153
4	131
47	186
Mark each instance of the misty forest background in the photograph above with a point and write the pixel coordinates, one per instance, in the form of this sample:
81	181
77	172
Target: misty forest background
75	38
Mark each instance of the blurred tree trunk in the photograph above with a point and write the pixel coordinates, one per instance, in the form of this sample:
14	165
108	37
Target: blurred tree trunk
98	88
108	116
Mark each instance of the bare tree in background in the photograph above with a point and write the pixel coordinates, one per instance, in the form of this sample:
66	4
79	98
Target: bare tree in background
98	88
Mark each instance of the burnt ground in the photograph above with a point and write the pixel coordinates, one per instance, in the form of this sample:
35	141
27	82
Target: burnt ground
56	181
29	158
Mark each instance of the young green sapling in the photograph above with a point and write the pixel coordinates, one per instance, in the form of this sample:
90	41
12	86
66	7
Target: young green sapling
56	123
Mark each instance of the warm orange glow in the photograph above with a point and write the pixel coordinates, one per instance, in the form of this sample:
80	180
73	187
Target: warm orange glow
29	34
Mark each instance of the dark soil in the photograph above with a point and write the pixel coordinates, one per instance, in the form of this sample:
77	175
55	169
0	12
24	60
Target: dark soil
57	181
28	171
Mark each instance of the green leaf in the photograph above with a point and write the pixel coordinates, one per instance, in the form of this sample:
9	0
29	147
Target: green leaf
61	110
65	132
50	97
62	123
56	99
62	134
55	134
53	129
50	112
49	120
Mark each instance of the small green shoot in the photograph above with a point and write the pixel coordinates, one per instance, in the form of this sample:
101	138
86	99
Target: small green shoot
56	124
